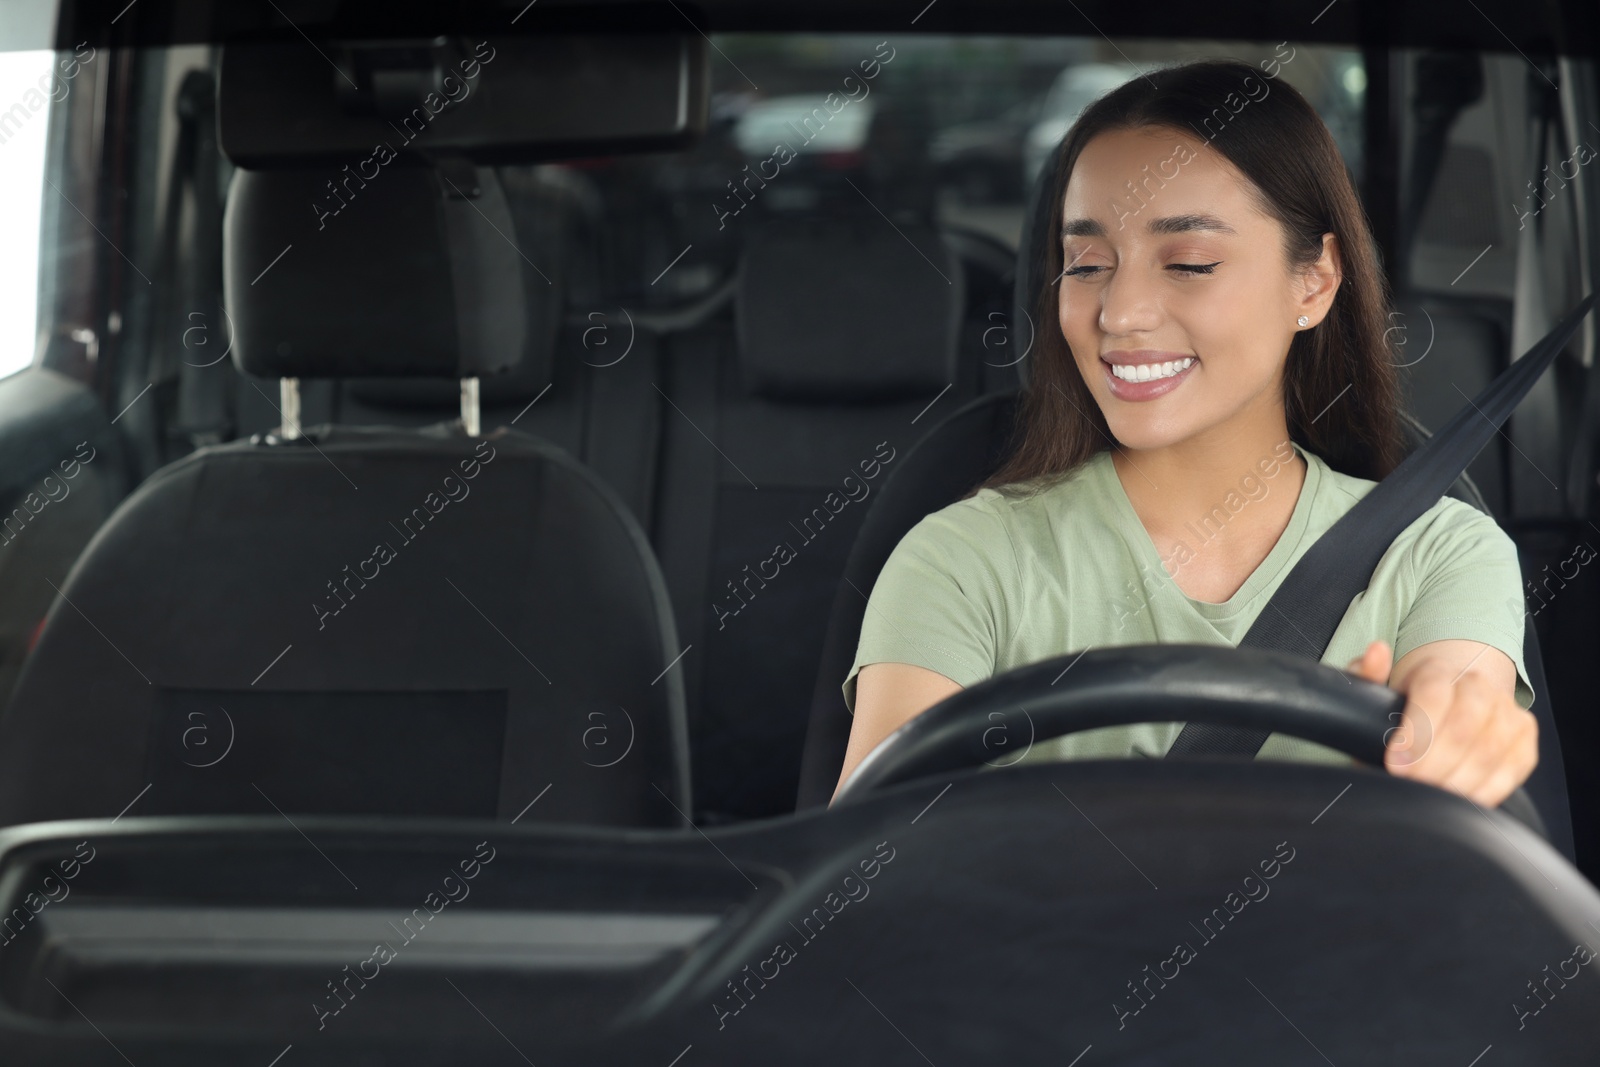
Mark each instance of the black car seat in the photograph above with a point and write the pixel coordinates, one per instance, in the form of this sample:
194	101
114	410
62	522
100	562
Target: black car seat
68	472
1450	348
963	450
356	620
844	351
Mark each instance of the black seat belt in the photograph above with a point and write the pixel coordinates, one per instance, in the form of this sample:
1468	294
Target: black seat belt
1302	615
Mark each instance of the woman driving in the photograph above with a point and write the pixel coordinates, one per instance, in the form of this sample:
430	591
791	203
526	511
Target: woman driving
1221	390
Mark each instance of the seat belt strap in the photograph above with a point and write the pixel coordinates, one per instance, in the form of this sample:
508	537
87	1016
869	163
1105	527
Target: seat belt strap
194	377
1302	614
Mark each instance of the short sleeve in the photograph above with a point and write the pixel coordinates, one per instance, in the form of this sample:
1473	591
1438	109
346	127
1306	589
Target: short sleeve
939	601
1468	582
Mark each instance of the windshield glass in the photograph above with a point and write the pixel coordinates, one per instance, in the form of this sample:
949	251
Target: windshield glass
536	464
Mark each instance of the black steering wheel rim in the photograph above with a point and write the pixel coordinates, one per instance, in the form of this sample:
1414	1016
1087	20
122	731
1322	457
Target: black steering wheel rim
1221	684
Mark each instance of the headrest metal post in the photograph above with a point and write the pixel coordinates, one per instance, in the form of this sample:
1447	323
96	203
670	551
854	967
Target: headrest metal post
289	408
469	407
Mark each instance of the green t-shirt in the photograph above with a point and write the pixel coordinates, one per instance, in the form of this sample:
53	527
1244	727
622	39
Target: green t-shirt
994	582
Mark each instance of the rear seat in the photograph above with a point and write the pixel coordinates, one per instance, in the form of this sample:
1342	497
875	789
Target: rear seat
850	339
844	351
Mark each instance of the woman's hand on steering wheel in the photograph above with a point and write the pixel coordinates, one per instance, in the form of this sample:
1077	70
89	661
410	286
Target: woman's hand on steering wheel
1462	729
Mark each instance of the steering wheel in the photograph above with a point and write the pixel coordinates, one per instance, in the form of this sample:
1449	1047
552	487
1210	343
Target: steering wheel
1219	684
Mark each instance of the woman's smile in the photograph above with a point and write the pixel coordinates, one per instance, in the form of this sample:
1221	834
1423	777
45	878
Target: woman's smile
1145	375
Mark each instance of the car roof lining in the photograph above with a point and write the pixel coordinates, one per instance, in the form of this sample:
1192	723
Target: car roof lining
1504	25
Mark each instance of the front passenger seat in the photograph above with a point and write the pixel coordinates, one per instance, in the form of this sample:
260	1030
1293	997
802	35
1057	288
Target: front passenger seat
361	620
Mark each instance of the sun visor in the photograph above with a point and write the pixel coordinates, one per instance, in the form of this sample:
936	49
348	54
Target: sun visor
289	104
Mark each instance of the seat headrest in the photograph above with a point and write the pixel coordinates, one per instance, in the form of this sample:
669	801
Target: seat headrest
328	275
847	307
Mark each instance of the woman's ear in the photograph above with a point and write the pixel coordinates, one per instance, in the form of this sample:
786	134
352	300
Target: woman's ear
1321	281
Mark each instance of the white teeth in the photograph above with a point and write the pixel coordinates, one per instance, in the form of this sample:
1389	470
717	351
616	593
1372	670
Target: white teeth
1145	372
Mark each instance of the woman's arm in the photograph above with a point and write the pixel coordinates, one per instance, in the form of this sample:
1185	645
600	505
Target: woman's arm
1462	729
889	695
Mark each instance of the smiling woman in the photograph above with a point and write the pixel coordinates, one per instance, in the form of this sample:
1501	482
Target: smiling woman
1241	308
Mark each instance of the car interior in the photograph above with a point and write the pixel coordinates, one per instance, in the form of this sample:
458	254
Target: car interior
448	438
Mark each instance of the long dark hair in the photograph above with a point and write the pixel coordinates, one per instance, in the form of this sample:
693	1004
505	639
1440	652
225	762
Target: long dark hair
1341	394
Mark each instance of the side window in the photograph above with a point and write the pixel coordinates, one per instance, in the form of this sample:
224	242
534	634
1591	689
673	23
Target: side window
29	82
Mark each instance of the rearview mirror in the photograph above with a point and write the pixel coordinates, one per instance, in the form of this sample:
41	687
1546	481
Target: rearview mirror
514	100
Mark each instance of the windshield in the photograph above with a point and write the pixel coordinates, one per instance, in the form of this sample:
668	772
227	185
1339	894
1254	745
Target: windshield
547	477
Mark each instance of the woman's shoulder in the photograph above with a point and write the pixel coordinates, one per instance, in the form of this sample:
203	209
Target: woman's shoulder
1453	530
997	529
1021	508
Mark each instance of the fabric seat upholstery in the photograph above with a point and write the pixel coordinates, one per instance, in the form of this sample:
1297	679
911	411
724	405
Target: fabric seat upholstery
375	621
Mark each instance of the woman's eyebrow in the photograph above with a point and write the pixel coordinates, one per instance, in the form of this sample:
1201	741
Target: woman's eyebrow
1166	225
1189	224
1082	228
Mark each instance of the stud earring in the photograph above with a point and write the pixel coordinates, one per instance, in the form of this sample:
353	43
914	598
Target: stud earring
1304	320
